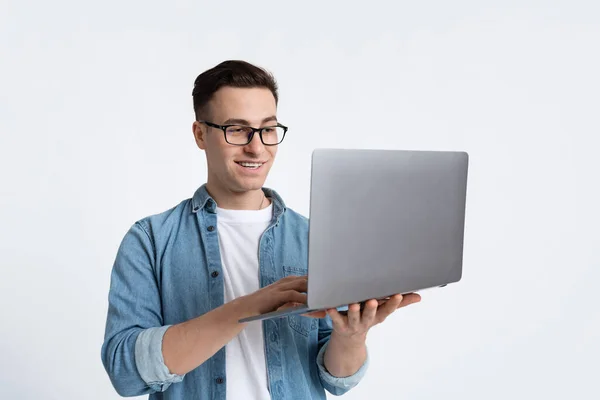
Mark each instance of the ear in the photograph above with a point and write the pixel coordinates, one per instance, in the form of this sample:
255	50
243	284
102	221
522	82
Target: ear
199	131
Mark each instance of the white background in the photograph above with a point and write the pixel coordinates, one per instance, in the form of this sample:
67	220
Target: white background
95	122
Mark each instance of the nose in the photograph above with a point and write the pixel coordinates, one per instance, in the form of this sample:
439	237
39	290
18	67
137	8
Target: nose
255	146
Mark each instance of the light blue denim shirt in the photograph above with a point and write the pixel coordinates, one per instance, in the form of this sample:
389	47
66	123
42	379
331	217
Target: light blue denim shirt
168	270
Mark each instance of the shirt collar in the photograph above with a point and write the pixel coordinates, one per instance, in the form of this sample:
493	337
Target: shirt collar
203	200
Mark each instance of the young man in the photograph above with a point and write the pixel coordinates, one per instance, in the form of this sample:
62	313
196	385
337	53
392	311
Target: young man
183	279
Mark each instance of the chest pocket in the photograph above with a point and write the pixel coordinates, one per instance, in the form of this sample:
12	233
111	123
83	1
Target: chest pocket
300	324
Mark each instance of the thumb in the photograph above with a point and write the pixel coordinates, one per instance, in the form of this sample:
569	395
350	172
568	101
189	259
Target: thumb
289	305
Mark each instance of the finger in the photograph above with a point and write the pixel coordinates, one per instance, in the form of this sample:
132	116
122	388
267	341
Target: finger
389	307
316	314
298	283
291	296
369	313
338	320
408	299
289	305
292	278
354	316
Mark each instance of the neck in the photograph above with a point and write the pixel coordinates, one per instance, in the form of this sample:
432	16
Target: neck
230	200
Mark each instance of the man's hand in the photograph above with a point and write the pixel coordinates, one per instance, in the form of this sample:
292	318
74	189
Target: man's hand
355	326
287	292
314	314
347	351
189	344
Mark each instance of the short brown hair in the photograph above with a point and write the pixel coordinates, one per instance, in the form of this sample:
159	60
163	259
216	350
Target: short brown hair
234	73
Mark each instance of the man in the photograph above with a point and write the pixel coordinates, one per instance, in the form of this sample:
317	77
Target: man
183	279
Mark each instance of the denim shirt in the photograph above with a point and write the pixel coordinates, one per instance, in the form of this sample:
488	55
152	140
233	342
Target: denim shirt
168	270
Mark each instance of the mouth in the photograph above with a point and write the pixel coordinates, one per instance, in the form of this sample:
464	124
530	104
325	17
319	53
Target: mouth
251	165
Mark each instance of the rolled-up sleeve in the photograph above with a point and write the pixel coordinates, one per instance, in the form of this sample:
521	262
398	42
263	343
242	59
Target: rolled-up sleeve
132	348
333	384
150	362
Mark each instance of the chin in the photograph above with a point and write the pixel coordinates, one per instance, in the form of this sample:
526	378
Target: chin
249	182
253	186
248	185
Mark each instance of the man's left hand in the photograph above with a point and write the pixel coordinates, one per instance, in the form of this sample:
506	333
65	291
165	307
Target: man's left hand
354	326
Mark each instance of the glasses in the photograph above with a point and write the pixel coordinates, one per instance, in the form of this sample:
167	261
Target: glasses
241	135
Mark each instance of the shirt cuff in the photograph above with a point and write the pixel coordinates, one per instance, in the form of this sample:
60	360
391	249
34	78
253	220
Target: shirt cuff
337	385
149	359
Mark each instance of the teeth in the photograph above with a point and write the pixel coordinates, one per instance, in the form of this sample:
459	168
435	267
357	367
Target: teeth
250	165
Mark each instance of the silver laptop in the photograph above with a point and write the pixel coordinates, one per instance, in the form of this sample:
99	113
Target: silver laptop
382	222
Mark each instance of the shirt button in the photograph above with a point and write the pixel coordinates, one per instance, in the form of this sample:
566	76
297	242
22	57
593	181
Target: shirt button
211	228
196	208
214	274
220	380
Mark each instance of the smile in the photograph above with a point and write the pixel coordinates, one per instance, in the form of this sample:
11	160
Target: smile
250	165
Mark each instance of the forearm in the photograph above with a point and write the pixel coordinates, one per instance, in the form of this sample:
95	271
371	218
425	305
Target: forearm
343	356
191	343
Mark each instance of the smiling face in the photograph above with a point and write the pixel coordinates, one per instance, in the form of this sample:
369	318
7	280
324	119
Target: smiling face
237	169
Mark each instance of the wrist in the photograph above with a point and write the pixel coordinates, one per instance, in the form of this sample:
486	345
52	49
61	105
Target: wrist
236	310
350	342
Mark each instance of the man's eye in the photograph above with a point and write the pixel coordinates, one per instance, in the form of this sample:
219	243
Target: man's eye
236	130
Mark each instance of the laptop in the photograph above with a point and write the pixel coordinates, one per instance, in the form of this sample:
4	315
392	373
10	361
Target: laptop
382	222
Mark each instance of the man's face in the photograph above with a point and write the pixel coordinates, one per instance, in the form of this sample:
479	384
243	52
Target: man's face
244	106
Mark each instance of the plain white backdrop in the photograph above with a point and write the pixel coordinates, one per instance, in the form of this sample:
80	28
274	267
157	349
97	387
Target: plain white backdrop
95	133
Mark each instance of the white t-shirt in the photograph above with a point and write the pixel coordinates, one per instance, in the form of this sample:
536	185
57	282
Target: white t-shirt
239	234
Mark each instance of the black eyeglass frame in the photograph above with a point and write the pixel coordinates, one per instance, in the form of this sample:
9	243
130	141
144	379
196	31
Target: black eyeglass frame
250	135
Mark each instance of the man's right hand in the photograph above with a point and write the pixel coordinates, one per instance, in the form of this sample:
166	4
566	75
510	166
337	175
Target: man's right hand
287	292
189	344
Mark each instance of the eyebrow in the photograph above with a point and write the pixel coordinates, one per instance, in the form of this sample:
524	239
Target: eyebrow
245	122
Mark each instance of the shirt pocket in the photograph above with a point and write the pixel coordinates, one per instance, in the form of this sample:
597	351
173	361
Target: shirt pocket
300	324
